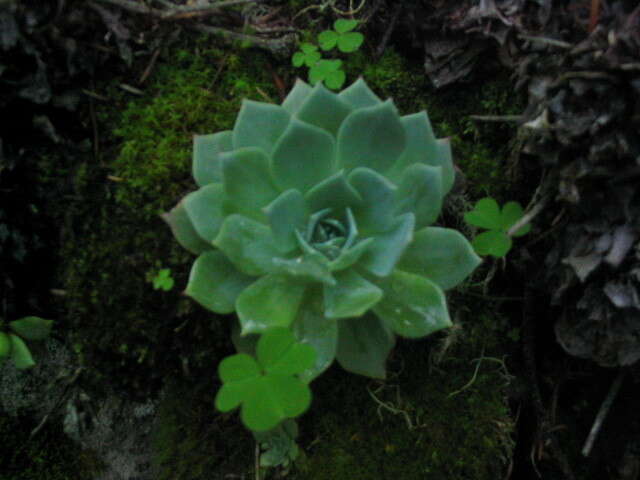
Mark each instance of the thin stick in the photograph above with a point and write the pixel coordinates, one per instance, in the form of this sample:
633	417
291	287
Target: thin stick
197	10
602	414
547	41
527	217
132	6
496	118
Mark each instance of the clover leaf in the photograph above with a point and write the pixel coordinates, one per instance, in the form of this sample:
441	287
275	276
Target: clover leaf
342	36
488	215
267	387
163	280
328	71
308	55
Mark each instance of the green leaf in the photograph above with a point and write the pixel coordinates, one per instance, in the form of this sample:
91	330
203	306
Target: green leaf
206	156
280	353
511	213
271	301
296	97
350	42
352	296
442	255
364	343
311	266
259	125
271	394
327	39
5	345
371	137
350	256
206	210
387	248
422	146
486	214
334	193
335	79
286	214
445	161
32	328
297	60
163	280
304	156
323	109
376	213
412	306
215	283
343	25
323	69
20	353
182	228
247	180
494	242
313	328
420	192
359	95
308	47
248	244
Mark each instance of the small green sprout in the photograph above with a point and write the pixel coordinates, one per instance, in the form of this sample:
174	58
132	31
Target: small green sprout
342	37
487	214
268	388
13	345
308	55
163	280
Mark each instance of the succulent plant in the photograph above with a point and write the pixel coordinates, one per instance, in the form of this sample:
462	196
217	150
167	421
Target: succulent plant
315	216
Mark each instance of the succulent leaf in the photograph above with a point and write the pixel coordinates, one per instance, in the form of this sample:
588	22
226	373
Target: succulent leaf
303	156
215	283
323	109
183	229
248	244
280	353
420	192
270	120
364	343
378	206
386	249
442	255
206	156
333	193
286	214
412	306
205	210
271	301
351	296
247	180
359	95
371	137
296	96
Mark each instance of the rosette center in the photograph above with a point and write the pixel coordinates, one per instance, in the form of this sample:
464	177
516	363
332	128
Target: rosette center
331	235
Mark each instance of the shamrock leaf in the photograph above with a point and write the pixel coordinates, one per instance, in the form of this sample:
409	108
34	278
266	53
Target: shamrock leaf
488	215
308	55
267	387
163	280
342	37
328	71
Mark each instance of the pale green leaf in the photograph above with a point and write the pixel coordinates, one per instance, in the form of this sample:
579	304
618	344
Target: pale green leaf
442	255
304	156
296	96
334	193
350	255
387	248
421	147
215	283
412	306
259	125
351	296
359	95
323	109
184	231
206	156
206	210
287	213
371	137
364	343
420	192
271	301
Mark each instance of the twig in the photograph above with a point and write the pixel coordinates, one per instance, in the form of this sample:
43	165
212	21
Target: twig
602	414
147	71
387	34
473	378
496	118
275	45
547	41
137	7
527	217
199	10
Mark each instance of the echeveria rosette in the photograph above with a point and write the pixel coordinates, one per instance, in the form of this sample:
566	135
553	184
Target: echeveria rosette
315	215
